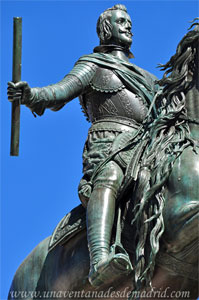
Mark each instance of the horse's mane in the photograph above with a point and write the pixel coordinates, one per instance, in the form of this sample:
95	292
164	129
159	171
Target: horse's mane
184	62
168	135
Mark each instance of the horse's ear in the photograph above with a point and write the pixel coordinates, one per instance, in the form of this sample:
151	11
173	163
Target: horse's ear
196	24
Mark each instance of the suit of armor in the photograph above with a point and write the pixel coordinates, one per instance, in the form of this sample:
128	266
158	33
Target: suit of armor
115	96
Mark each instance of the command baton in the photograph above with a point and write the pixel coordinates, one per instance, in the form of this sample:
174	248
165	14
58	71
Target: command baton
16	77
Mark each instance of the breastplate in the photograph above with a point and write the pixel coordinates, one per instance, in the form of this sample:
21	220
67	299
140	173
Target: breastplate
108	97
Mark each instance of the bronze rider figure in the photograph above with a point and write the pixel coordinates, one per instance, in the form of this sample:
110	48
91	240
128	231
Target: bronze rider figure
115	96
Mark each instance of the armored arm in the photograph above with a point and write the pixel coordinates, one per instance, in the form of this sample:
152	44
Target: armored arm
54	96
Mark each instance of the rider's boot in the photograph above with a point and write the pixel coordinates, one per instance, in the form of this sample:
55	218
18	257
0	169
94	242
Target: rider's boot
100	217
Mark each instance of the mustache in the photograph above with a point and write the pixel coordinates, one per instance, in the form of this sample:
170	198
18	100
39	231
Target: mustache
126	31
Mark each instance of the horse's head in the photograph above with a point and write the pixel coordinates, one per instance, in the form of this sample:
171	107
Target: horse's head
181	71
180	82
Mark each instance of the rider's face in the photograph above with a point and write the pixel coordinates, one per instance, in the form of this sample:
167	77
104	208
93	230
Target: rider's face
121	32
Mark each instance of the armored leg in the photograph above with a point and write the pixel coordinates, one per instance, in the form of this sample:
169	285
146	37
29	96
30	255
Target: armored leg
100	218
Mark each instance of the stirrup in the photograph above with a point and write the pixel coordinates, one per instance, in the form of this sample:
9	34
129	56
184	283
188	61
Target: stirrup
114	267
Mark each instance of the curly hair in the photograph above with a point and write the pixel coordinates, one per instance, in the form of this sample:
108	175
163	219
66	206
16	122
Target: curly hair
104	27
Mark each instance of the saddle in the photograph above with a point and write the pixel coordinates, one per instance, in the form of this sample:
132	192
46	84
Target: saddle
69	226
75	222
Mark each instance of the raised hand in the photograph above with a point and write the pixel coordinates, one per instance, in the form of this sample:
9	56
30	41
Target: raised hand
20	91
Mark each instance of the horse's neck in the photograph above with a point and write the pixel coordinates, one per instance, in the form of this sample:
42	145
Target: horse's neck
192	106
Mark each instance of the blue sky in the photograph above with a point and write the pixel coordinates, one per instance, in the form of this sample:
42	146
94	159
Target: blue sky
40	186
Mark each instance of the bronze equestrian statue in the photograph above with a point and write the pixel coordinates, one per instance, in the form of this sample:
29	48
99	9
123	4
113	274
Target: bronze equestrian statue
134	163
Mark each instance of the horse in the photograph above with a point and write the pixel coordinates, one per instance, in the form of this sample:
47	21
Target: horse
164	252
